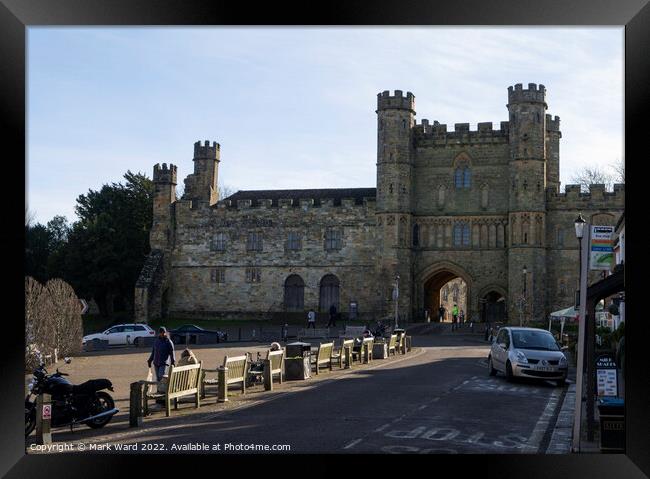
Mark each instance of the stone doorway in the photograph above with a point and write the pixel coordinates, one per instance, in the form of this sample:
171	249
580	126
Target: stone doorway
493	308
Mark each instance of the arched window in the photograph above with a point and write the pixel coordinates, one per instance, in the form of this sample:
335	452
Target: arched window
416	235
467	180
329	293
458	178
294	293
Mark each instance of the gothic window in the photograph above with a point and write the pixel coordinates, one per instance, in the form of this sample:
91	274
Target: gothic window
461	234
416	235
458	178
403	124
218	242
445	293
294	241
333	239
253	275
455	293
467	179
254	242
403	233
218	275
441	195
390	188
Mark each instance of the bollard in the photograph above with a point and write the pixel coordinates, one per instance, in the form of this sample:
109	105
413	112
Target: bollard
135	409
268	377
222	372
366	349
348	357
44	418
408	343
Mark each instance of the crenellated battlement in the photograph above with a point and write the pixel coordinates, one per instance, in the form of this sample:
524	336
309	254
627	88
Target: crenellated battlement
386	101
206	151
552	124
164	174
573	195
485	131
532	94
303	203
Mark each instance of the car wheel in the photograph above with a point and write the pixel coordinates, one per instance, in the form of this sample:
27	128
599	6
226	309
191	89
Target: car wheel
509	376
493	372
136	341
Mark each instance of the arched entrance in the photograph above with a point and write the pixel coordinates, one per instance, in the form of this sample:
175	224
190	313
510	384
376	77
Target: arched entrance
294	293
329	293
493	307
445	288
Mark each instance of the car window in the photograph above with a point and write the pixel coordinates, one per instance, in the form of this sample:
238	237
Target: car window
116	329
501	338
129	329
139	328
540	340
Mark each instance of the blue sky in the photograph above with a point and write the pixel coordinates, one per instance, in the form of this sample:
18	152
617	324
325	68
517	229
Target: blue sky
293	107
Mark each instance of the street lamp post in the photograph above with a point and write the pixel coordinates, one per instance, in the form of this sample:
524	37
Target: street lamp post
579	224
396	298
523	298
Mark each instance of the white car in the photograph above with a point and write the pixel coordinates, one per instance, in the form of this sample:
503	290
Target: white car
122	334
527	352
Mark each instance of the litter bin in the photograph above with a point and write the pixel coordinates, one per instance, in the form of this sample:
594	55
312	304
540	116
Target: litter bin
612	424
297	363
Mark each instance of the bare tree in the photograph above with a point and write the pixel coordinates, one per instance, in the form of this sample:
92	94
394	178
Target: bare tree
66	316
592	176
619	171
29	216
226	190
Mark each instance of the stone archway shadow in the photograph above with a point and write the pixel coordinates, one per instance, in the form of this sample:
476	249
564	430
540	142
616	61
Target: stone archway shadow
432	278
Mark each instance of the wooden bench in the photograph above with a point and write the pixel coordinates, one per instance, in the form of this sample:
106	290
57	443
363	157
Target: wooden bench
392	344
323	356
237	373
314	333
401	342
365	348
182	381
275	361
339	354
352	332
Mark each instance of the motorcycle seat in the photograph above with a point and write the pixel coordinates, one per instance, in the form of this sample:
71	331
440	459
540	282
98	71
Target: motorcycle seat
91	386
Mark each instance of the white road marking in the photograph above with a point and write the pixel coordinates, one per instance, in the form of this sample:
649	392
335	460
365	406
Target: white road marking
381	428
422	407
353	443
532	444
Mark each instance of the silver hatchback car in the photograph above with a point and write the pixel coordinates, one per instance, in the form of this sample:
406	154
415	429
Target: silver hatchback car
527	352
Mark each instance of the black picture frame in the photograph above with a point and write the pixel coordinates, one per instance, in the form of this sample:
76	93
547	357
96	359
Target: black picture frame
17	15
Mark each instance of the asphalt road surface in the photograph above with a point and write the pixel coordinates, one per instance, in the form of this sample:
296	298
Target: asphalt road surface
437	399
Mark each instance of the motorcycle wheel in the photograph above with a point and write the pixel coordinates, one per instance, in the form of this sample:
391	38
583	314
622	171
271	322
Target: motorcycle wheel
100	403
30	418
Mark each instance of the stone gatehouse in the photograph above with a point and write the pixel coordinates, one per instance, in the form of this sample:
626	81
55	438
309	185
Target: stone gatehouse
478	205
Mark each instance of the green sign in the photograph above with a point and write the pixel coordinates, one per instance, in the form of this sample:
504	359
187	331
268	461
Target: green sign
601	251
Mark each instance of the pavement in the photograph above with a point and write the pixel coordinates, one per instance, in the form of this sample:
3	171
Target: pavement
438	398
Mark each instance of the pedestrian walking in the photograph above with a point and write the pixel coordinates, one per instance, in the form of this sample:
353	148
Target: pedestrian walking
311	319
162	351
441	313
454	315
461	317
332	321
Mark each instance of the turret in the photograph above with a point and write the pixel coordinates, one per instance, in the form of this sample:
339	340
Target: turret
395	119
395	122
202	184
164	180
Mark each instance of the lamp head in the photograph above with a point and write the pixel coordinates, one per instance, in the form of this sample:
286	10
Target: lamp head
580	226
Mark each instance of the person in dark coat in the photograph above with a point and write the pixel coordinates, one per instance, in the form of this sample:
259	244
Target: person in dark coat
332	321
163	350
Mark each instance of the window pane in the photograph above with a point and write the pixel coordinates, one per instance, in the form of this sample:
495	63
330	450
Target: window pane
465	235
459	178
468	177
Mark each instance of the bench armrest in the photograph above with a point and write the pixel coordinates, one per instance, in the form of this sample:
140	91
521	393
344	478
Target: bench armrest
205	370
149	382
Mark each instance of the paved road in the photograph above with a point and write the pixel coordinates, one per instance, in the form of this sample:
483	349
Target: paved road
438	399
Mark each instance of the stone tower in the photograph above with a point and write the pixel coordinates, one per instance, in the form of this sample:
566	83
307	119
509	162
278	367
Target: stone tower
202	184
164	180
527	200
395	120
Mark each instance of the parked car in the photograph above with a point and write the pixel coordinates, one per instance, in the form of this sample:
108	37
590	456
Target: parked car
205	336
527	352
121	334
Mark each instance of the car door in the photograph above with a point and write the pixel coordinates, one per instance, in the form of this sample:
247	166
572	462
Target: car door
500	350
129	334
115	335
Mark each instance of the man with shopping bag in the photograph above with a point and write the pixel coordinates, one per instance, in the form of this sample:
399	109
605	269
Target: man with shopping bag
163	349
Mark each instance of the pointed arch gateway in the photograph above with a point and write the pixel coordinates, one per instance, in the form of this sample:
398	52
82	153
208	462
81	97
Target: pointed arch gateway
431	282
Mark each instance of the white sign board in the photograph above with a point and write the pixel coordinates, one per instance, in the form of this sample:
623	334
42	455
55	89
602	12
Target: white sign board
606	382
601	252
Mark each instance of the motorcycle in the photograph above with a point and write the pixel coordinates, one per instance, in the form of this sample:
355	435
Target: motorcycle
72	404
